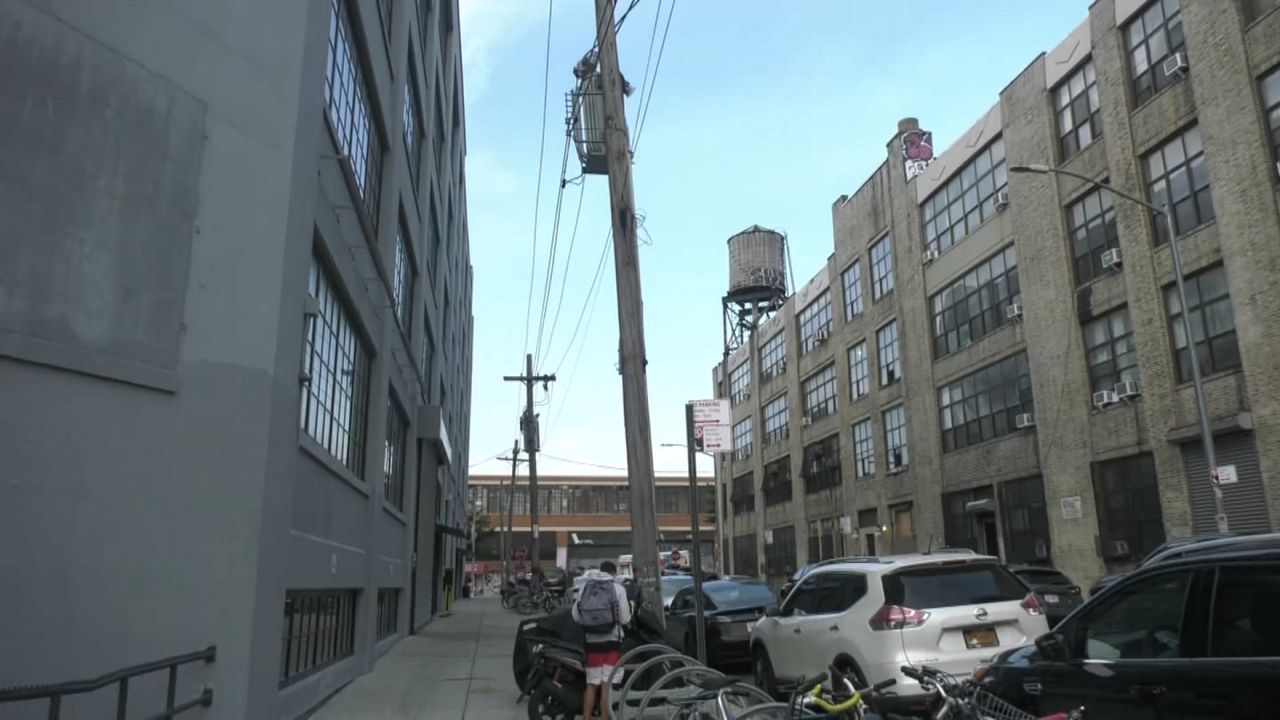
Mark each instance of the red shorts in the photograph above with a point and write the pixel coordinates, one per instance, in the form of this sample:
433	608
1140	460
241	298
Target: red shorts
603	658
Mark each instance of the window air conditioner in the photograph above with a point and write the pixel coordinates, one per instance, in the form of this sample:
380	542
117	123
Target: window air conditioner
1104	398
1175	64
1024	421
930	255
1111	259
1127	389
746	395
1001	201
1013	311
821	336
807	421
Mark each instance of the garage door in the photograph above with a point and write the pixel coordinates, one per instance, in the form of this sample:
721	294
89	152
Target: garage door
1245	501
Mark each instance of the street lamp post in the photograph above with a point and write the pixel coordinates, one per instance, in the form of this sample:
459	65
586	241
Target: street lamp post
1206	434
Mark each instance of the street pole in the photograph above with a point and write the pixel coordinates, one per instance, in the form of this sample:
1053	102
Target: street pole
1206	433
529	423
507	495
626	257
700	628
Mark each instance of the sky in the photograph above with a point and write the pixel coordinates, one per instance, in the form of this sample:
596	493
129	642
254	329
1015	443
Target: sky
759	112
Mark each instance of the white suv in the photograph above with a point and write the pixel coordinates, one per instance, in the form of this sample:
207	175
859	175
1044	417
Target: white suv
871	616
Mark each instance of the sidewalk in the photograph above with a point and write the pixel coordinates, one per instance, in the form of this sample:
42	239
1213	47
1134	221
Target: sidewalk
460	667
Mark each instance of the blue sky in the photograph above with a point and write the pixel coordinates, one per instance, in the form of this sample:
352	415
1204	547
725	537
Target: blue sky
762	113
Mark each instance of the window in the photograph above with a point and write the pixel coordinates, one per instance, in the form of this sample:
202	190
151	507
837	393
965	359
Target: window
962	529
427	352
319	630
388	612
977	304
820	393
740	383
903	538
742	439
1025	520
1079	116
413	128
337	375
973	583
967	200
403	288
895	438
346	98
1244	611
773	357
1140	622
1213	324
852	280
837	592
1130	523
1152	37
825	539
1176	172
1271	107
780	555
815	323
822	464
804	599
744	494
777	482
859	377
864	450
887	341
1092	221
1110	350
393	456
984	405
776	425
745	560
881	268
668	500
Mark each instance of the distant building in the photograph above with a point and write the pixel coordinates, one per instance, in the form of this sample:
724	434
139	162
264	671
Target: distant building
996	361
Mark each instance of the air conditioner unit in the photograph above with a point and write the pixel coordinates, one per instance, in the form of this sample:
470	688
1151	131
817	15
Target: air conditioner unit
821	336
1024	421
1116	549
1176	64
746	395
1104	398
1001	201
1111	259
1128	389
806	421
930	255
1013	311
782	367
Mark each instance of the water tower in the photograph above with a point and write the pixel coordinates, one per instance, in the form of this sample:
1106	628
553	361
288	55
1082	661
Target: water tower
757	283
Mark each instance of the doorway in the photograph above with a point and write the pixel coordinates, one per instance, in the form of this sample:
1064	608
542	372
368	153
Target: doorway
990	534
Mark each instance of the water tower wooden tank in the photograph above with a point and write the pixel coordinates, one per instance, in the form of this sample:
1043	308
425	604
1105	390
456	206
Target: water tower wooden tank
757	282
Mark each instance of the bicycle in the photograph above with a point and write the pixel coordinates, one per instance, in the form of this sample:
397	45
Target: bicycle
965	700
528	604
843	701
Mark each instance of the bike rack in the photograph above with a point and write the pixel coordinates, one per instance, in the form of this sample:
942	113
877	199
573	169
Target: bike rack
671	658
616	682
676	674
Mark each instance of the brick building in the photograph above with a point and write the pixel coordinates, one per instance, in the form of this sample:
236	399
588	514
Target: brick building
938	381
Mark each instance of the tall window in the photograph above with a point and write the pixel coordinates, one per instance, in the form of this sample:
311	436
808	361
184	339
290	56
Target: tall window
1176	172
1271	107
780	555
882	267
815	323
1213	324
346	97
776	420
745	557
864	450
859	377
426	353
1079	114
984	404
976	305
403	288
413	129
825	540
1110	350
777	482
887	342
740	383
1093	232
1151	38
319	630
820	393
388	612
773	357
1130	523
895	438
822	464
852	281
742	439
744	494
954	211
393	456
337	375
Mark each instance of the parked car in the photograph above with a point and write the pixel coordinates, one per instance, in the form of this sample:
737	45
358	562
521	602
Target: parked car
1108	580
730	607
1058	594
1194	633
871	616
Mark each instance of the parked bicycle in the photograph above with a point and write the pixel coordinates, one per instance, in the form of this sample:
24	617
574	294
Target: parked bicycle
964	700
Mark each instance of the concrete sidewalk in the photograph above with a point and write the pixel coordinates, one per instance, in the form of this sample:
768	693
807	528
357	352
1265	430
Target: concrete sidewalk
460	667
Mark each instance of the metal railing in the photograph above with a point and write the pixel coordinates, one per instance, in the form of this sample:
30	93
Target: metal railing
54	693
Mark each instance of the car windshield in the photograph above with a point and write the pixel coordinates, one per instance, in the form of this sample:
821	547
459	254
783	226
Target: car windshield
673	584
951	585
739	595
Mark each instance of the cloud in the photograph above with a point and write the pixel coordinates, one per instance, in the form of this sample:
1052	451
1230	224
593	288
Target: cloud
486	26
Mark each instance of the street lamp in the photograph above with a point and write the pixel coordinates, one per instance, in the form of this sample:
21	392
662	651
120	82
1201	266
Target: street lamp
1206	435
682	445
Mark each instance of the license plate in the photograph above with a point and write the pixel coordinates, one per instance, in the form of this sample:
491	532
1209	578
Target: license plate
1051	598
980	638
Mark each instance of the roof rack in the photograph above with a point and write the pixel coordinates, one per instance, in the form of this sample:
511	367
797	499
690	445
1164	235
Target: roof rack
1265	540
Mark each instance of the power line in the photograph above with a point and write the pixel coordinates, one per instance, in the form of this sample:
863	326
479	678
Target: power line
552	252
644	113
491	457
573	372
653	34
595	288
607	467
568	259
537	197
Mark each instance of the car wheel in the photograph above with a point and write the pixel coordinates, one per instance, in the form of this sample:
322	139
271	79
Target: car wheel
762	668
847	666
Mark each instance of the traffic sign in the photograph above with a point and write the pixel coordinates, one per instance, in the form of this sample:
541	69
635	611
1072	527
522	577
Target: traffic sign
1223	475
711	425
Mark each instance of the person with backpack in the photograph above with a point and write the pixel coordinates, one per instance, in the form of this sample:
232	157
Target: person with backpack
602	610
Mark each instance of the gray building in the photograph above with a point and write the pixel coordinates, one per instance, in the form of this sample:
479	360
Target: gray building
996	360
235	342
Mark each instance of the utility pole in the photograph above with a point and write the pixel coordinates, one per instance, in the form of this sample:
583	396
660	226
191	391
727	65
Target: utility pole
504	526
529	424
626	258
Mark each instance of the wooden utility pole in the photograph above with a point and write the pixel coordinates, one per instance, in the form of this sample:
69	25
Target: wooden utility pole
626	258
529	424
504	518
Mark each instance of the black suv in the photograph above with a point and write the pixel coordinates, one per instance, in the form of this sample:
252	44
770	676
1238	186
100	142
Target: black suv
1193	634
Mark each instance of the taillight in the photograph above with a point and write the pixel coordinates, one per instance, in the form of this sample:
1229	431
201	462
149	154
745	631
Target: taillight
896	617
1075	589
1031	603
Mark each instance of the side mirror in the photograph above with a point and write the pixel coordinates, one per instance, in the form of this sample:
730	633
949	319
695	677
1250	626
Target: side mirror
771	611
1052	647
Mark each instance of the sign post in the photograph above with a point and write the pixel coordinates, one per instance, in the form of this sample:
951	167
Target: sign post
706	430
